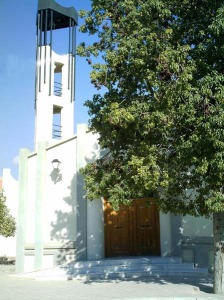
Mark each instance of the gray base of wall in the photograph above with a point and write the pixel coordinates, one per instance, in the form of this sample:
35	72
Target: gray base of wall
198	250
53	254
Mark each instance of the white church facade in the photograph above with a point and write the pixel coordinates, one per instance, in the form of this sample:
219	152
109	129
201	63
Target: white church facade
55	221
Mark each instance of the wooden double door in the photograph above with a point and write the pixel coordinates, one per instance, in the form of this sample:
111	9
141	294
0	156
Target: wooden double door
133	230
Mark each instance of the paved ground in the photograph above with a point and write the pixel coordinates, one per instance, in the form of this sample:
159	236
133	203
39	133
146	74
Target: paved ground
24	289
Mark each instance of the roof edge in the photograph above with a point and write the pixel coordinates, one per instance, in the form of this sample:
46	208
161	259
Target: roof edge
51	4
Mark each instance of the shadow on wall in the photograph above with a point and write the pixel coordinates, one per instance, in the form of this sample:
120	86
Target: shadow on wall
95	154
56	176
64	228
192	240
70	227
176	235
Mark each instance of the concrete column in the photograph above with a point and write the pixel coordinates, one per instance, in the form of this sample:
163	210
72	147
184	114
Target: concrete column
39	205
165	234
95	229
81	203
21	219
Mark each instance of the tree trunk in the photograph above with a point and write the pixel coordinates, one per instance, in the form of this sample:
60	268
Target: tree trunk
218	232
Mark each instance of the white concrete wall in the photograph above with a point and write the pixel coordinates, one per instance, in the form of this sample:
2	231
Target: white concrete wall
10	186
59	207
95	212
50	219
90	228
191	239
192	226
31	191
174	228
188	226
95	230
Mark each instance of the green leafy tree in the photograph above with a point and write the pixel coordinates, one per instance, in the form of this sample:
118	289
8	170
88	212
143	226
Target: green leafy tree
161	117
7	222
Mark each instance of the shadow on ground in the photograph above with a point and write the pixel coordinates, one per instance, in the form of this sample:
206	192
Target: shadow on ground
203	284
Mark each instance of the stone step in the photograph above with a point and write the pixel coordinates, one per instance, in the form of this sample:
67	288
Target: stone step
138	275
126	261
124	268
197	273
111	269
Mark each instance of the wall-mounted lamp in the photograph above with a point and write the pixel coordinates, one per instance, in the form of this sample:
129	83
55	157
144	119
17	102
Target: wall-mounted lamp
56	163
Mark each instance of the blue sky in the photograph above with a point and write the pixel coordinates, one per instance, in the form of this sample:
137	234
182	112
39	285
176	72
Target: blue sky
17	77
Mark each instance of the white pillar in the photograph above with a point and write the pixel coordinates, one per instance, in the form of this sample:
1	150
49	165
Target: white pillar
165	234
95	229
21	219
39	205
81	202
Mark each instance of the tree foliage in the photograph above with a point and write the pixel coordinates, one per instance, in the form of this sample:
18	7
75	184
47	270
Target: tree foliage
162	115
7	222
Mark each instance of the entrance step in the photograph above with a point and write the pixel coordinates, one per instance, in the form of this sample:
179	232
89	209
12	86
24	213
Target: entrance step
122	268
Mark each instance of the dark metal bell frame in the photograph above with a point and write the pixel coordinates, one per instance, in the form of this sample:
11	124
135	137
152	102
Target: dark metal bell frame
52	16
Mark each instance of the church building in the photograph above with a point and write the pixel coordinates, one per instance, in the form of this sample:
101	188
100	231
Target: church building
56	223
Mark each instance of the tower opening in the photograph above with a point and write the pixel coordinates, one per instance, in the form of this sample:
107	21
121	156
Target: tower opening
57	128
58	79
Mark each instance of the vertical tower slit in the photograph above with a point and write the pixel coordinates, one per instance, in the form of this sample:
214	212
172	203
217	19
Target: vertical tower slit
37	57
69	53
51	28
45	44
74	64
41	27
72	70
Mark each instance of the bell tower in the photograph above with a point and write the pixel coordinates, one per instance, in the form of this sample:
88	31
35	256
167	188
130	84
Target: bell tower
55	74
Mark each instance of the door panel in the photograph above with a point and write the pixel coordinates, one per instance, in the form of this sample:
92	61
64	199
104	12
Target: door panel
146	231
133	230
117	231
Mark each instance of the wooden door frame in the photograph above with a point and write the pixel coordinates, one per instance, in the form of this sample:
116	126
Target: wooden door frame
157	227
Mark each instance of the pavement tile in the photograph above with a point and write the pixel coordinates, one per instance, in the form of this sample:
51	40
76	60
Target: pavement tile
12	288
